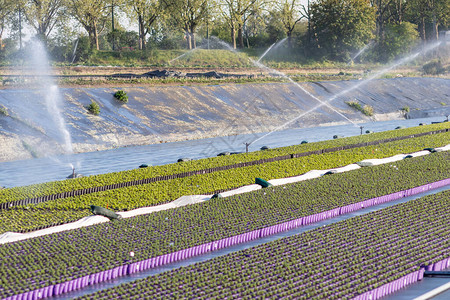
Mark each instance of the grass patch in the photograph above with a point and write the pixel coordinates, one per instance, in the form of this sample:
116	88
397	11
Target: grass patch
366	109
4	111
30	149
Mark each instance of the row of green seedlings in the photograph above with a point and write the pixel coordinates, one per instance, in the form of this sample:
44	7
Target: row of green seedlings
49	188
338	261
73	208
47	260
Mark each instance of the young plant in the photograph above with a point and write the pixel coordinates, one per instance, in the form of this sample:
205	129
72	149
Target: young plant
121	96
93	108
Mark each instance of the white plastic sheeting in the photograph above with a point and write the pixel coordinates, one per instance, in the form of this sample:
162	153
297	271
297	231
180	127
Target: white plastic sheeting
379	161
9	237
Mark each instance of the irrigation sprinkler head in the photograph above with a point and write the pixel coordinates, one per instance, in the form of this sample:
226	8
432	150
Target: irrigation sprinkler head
246	146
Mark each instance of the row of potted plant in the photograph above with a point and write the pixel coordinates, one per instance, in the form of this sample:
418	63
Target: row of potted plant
338	261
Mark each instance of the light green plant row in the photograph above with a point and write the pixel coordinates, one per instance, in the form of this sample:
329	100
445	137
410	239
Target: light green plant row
169	190
73	208
18	193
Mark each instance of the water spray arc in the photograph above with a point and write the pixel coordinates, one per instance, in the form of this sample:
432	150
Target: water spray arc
274	46
364	49
358	85
51	93
262	66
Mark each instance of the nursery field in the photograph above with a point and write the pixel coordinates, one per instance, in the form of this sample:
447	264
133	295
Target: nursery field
48	261
377	252
49	188
33	216
59	211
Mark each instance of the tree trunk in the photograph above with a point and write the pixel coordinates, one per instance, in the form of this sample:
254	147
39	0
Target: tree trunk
435	27
193	42
1	40
141	34
233	36
422	28
241	36
96	37
188	40
289	37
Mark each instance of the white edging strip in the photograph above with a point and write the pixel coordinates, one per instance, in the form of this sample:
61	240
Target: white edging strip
434	292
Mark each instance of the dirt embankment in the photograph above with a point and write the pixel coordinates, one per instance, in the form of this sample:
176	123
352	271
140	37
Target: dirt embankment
30	126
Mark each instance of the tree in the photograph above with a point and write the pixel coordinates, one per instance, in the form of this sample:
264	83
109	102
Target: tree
43	15
188	14
424	12
6	9
236	12
147	12
398	39
342	26
291	12
92	15
387	11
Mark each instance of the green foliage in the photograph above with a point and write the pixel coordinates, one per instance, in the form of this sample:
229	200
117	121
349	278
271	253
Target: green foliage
433	68
351	255
121	96
342	27
398	40
30	149
19	193
4	111
93	108
406	109
366	109
160	192
62	256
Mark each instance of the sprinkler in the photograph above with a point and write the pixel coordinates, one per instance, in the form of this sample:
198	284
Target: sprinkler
361	127
74	174
246	147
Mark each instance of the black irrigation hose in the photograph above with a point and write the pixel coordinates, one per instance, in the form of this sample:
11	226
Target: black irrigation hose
36	200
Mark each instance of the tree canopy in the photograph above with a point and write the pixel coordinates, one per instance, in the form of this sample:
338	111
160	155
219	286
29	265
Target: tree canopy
333	29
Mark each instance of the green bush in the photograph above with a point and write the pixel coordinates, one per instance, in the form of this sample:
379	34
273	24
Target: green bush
367	109
433	68
121	96
3	111
93	108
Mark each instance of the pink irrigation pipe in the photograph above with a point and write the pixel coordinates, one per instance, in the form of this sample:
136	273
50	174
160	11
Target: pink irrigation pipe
78	283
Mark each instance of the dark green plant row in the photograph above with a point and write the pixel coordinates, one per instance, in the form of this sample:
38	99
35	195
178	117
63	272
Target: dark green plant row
164	191
67	186
60	257
338	261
